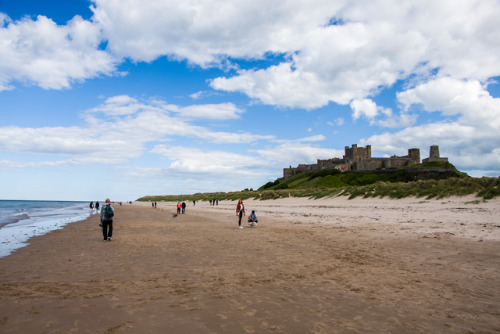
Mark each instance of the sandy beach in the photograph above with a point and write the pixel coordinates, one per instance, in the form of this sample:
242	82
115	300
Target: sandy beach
311	266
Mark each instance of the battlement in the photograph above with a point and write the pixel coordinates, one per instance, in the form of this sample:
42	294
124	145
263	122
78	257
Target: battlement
360	159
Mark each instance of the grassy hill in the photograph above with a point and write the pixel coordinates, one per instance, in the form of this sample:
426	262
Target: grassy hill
431	180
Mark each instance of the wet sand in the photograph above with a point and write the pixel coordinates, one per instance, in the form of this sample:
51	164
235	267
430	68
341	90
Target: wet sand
311	266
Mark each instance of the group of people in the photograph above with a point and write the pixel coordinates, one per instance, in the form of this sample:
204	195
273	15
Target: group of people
181	206
240	211
108	212
96	205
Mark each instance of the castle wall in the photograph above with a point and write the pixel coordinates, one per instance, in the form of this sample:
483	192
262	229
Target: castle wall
382	163
330	163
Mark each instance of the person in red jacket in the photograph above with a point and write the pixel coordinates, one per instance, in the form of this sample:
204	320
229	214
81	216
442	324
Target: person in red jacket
179	208
240	211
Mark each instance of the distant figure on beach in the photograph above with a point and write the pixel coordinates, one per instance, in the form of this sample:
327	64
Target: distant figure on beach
91	205
252	219
183	207
155	205
194	203
97	205
179	208
240	211
217	202
107	214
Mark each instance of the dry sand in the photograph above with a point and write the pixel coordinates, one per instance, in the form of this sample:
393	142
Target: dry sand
311	266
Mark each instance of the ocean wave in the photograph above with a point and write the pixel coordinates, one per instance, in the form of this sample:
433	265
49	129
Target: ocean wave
21	220
12	218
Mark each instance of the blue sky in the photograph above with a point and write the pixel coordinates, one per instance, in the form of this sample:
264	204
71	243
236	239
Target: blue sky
122	99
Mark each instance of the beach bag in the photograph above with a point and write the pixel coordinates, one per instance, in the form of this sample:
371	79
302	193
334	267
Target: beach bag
108	212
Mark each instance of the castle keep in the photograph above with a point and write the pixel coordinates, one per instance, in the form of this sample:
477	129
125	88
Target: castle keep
360	159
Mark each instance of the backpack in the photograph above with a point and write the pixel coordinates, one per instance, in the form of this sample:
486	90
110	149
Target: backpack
108	212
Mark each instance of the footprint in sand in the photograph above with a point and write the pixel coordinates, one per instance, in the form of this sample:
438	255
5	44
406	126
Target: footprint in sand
251	313
249	329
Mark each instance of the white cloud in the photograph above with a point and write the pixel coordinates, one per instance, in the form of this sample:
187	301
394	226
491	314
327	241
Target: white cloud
471	141
370	49
53	57
467	99
370	110
186	160
364	107
294	153
126	105
219	111
122	131
197	95
374	48
206	32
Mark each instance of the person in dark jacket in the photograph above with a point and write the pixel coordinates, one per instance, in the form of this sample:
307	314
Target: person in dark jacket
107	214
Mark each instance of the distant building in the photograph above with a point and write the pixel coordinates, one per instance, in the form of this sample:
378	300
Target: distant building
360	159
434	155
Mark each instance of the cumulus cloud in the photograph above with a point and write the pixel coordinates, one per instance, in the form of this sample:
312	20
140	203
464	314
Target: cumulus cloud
374	48
40	52
193	160
471	140
368	109
294	153
333	51
364	107
206	33
125	105
211	111
119	130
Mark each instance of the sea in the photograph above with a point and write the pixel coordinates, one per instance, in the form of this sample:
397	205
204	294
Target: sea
22	220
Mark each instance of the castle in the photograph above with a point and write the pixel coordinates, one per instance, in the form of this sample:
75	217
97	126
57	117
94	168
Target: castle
360	159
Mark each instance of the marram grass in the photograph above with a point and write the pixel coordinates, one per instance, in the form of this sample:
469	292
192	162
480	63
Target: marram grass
485	188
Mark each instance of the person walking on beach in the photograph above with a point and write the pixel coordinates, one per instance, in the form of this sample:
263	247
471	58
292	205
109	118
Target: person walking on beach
179	208
107	213
97	205
183	207
240	211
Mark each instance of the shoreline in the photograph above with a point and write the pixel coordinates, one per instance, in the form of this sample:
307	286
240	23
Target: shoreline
24	221
300	271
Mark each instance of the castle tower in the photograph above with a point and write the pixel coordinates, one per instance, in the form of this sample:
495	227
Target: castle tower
414	155
434	152
434	155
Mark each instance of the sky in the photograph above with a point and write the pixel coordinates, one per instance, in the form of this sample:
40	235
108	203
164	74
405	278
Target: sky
128	98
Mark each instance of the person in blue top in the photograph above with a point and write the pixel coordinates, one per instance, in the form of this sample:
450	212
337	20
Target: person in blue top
252	219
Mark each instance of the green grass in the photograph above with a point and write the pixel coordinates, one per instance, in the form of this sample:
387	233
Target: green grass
331	183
